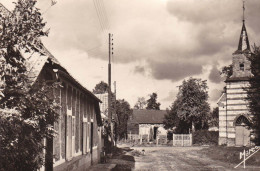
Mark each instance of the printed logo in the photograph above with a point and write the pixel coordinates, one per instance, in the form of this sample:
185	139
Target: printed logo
246	154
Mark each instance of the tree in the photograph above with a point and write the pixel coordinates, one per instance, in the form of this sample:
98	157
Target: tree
28	109
227	71
214	117
140	104
123	112
152	102
190	108
253	93
101	88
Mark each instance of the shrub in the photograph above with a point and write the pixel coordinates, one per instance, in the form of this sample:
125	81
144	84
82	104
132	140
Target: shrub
205	137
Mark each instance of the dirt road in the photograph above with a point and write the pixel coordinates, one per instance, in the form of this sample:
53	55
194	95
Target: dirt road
178	158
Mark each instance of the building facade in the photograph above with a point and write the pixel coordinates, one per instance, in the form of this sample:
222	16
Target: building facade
146	124
234	116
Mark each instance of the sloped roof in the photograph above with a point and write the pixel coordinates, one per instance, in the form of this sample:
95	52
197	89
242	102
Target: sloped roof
148	116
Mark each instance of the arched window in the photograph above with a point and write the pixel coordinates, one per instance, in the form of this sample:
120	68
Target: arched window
242	120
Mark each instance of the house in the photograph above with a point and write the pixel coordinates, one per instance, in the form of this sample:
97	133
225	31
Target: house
147	124
234	115
78	142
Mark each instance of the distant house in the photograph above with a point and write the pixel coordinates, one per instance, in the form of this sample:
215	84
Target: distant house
146	123
104	105
78	143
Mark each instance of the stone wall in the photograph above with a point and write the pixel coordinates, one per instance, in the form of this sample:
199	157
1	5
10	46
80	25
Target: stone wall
237	60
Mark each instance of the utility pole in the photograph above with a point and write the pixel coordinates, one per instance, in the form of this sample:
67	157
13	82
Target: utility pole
110	53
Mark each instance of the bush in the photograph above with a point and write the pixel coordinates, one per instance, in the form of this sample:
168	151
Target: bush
205	137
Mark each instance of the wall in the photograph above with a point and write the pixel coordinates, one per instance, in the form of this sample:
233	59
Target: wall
147	130
236	105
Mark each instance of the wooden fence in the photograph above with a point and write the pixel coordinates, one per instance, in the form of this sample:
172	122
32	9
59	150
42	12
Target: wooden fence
182	140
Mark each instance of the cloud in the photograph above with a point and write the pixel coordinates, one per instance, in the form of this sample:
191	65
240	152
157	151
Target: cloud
214	75
139	69
214	95
171	96
174	71
183	35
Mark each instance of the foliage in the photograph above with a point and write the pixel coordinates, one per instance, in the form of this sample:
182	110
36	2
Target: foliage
205	137
227	71
253	93
101	88
140	104
28	109
152	102
123	112
213	118
190	108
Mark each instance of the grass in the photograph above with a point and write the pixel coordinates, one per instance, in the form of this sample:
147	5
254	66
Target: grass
230	155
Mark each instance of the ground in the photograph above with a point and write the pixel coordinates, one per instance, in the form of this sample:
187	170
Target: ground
173	158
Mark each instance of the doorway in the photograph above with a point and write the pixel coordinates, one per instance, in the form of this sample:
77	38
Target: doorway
242	131
155	132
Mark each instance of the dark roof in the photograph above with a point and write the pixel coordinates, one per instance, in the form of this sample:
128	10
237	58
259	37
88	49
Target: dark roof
243	45
148	116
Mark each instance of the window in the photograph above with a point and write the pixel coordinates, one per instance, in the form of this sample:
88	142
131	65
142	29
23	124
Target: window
69	135
241	66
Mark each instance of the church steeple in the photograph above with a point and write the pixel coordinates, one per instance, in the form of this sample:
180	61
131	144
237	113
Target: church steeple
243	45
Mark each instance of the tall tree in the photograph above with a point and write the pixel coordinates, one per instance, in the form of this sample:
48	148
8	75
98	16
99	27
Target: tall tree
123	112
227	71
152	102
27	109
253	93
140	104
214	117
191	107
101	88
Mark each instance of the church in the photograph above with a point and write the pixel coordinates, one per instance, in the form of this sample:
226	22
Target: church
234	116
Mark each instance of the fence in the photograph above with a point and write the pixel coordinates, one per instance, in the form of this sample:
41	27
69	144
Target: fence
182	139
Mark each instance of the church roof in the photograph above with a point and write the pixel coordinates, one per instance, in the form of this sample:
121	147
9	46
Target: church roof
243	44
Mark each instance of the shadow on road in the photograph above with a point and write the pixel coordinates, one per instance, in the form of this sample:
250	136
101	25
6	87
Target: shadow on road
123	158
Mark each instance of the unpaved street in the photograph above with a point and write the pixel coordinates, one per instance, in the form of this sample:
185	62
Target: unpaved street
178	158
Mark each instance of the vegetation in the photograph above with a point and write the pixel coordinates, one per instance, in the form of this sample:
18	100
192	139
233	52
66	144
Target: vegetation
253	93
190	109
101	88
152	103
140	104
227	71
123	112
205	137
213	118
27	108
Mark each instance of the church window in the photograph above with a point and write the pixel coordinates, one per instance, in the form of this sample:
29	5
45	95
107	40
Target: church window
241	66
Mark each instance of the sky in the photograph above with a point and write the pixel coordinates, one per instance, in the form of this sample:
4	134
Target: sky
157	43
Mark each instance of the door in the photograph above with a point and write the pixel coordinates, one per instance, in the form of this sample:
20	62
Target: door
239	136
242	136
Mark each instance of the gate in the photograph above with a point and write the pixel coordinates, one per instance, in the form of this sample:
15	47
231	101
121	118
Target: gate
182	140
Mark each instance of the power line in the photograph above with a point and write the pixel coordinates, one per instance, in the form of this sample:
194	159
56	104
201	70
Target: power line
99	16
105	13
